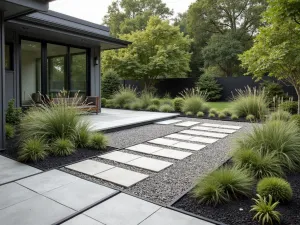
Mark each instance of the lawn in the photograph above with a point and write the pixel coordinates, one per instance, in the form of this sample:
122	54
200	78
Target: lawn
219	105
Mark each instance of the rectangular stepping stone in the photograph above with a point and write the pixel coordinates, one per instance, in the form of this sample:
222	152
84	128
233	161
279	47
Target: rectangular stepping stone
148	149
121	176
221	126
204	140
172	154
90	167
80	194
47	181
179	136
187	124
122	210
150	164
189	146
166	122
120	157
82	220
204	133
219	130
163	141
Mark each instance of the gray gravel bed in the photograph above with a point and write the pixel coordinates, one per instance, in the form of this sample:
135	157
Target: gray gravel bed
133	136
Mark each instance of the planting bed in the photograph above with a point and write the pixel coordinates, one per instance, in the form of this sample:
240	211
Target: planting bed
52	162
237	212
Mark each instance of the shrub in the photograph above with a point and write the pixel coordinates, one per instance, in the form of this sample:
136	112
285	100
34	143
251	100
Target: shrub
213	110
296	119
211	115
98	141
273	89
166	108
194	101
13	115
278	137
127	106
200	114
110	83
178	102
222	115
250	101
103	102
153	108
124	96
109	103
210	85
250	117
82	135
155	101
167	101
62	147
234	117
33	149
137	105
9	131
258	164
146	98
227	112
265	210
289	106
280	115
189	114
223	185
278	188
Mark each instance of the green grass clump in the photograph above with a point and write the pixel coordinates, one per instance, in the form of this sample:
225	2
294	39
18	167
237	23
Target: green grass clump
289	106
167	101
296	119
250	118
178	102
189	114
137	105
234	117
211	115
166	108
146	99
33	149
153	108
103	102
194	101
109	103
280	115
250	101
82	135
200	114
155	101
266	213
213	110
98	141
62	147
278	188
223	185
222	115
277	137
226	111
124	96
9	131
257	164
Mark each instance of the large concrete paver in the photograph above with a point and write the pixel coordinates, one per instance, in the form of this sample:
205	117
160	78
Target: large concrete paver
221	126
189	146
187	124
90	167
122	209
79	194
213	129
204	133
82	220
120	157
163	141
148	149
167	122
150	164
172	154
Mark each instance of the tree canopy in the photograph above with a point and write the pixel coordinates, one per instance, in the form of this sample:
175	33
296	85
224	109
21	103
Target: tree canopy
125	16
159	51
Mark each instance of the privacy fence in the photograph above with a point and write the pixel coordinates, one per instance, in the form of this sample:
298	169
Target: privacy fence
174	86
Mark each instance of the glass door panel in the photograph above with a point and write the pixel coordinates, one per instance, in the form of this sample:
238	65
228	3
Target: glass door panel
78	71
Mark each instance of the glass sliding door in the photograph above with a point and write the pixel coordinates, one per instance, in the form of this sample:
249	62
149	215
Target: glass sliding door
57	58
78	71
30	70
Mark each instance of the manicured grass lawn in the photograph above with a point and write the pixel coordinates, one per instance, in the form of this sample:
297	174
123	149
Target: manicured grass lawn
219	105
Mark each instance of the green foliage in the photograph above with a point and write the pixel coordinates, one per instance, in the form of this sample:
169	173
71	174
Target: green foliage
278	188
126	95
296	119
289	106
110	83
260	165
164	47
13	114
222	115
213	110
33	149
223	185
200	114
98	141
189	114
250	118
166	108
280	115
178	102
167	101
82	135
153	108
234	117
9	131
137	105
265	210
277	137
103	102
273	89
194	101
62	147
210	86
226	111
155	101
250	101
109	103
211	115
146	99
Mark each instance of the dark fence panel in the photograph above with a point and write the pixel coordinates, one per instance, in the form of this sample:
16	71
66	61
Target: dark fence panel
174	86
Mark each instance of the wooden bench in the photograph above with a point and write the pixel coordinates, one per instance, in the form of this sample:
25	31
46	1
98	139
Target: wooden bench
91	103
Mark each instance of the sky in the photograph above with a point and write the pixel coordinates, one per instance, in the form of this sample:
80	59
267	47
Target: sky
94	10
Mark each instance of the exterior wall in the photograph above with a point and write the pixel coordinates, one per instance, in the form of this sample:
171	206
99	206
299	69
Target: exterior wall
95	81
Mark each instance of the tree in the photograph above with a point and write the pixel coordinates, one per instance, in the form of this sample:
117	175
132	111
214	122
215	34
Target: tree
181	21
159	51
205	18
125	16
276	50
110	83
210	85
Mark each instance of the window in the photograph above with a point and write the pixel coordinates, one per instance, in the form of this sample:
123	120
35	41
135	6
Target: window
30	70
78	71
8	57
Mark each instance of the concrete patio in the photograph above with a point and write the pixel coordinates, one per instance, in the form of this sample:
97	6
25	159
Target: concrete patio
110	119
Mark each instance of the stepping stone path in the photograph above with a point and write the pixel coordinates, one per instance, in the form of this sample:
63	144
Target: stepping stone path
148	149
90	167
219	130
177	144
150	164
187	124
120	157
204	133
173	154
167	122
221	126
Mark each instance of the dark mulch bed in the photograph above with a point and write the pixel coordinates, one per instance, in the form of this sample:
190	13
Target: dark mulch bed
232	214
53	162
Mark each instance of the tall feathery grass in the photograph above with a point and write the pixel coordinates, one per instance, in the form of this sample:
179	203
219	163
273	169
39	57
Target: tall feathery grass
194	101
125	96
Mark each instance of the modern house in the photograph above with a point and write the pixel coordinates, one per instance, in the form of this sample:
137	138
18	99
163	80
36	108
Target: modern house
45	52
